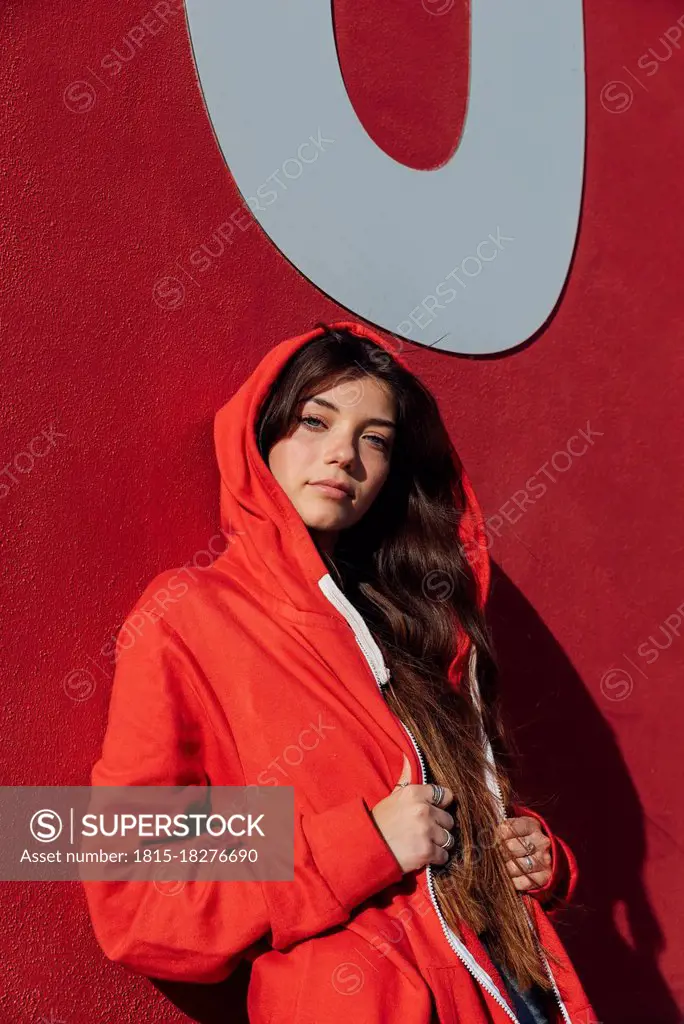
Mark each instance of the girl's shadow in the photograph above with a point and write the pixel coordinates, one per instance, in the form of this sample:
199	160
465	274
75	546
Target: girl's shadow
572	772
222	1003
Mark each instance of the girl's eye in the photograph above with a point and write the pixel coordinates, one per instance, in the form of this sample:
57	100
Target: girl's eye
316	419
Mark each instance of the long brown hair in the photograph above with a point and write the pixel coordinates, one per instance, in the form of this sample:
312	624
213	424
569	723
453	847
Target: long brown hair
382	563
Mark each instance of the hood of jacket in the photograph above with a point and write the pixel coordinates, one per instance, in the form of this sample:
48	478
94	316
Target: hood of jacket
257	514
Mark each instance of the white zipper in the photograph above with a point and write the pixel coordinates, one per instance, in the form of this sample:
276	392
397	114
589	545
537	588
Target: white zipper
381	673
458	947
364	637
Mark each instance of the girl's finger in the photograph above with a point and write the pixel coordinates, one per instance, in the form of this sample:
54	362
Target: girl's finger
518	848
521	866
523	882
521	826
521	846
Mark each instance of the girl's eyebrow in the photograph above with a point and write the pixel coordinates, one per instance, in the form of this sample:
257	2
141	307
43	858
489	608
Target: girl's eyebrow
376	420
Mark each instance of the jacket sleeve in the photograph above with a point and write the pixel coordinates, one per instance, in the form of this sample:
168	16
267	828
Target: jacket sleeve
153	737
558	891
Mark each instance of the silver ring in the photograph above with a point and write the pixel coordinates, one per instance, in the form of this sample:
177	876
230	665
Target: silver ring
530	863
449	840
437	793
402	784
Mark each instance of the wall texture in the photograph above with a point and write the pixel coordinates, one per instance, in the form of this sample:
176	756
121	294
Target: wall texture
111	181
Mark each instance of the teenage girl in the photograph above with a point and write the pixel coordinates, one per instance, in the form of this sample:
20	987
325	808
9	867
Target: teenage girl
338	645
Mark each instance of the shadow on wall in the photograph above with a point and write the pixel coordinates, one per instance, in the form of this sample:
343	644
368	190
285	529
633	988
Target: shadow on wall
571	771
212	1004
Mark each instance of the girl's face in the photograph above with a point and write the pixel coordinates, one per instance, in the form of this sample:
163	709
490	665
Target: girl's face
343	434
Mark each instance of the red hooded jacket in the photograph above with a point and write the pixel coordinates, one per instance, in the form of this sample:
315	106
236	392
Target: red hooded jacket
258	670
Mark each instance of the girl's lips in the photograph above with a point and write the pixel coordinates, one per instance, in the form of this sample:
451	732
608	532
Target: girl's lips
333	492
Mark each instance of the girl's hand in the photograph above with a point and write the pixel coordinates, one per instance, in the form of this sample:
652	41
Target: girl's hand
530	861
412	826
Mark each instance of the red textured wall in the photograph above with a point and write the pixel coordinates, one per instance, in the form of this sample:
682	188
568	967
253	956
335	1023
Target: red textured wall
111	180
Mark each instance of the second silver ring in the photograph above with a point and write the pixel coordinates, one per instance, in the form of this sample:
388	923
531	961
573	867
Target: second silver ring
449	840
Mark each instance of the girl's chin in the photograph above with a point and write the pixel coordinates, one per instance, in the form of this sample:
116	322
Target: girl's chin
325	514
322	521
323	525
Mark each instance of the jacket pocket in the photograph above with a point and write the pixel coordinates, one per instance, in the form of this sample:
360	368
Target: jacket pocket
336	977
459	998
